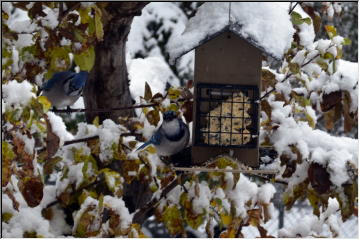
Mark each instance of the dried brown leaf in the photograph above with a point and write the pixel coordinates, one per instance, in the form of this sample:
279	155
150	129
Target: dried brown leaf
52	140
32	190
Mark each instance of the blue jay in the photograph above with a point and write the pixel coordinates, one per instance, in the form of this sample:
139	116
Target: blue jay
172	136
64	88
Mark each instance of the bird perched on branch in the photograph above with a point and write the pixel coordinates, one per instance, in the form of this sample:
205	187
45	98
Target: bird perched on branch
64	88
172	136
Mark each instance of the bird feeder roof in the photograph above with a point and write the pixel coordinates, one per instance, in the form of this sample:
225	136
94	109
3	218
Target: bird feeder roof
266	25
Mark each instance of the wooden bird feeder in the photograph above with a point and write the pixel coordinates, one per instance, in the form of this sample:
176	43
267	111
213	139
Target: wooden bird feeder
227	83
227	75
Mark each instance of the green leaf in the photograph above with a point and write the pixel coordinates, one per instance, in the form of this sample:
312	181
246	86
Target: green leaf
328	56
59	58
307	20
296	18
347	41
86	59
7	155
112	179
218	201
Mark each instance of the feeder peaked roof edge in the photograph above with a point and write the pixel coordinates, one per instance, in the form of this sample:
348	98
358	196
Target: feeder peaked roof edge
231	28
265	25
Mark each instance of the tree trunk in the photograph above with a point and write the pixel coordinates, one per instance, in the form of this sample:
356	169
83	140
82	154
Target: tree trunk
108	84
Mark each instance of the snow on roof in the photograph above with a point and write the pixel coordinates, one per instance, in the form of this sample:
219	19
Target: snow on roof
266	25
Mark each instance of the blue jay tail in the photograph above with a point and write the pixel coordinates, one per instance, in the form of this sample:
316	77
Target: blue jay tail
144	145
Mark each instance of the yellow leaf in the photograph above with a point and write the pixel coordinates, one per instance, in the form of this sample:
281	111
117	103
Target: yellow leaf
310	120
96	121
99	31
173	220
5	217
86	59
46	104
226	219
84	15
151	149
174	93
331	31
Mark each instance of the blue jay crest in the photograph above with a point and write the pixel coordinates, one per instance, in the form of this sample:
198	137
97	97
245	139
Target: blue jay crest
171	137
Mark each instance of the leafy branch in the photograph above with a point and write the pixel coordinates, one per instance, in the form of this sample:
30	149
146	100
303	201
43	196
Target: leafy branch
288	75
152	204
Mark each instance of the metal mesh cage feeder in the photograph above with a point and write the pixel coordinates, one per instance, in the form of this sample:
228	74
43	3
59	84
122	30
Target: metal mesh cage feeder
226	116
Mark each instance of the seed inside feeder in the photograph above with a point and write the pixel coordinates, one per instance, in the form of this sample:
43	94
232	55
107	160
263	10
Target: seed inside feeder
228	119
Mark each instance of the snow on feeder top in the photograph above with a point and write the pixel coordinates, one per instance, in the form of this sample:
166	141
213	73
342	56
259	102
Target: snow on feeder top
229	39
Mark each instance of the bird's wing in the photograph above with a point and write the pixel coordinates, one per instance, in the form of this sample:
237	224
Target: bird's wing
60	76
155	139
186	131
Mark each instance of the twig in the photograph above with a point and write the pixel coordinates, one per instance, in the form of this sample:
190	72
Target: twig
64	14
354	87
273	89
292	9
80	140
96	137
269	179
201	169
290	74
103	110
61	10
70	110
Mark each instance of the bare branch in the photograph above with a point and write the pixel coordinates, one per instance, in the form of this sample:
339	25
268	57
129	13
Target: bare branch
293	7
203	169
103	110
96	137
80	140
